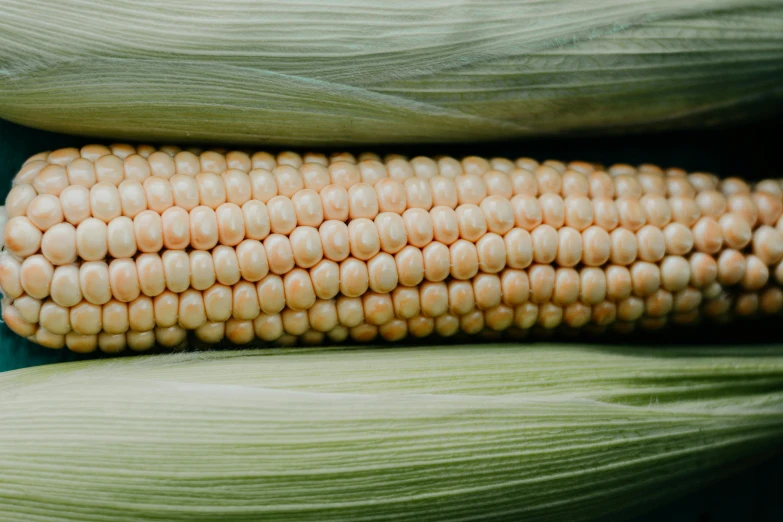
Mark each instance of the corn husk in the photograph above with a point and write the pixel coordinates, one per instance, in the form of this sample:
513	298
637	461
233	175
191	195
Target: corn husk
491	432
347	72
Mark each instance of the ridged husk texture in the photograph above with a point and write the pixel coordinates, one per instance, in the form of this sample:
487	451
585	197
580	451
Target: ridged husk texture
346	71
491	432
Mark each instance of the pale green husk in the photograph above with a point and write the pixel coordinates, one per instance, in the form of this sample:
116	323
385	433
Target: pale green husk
306	72
491	432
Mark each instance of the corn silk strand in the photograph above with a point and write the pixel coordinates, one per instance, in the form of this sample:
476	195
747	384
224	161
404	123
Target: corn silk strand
490	432
307	73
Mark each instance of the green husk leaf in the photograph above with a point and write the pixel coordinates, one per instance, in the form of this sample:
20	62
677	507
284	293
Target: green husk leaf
348	72
486	432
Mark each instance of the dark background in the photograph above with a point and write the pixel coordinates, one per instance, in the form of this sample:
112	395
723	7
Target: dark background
751	151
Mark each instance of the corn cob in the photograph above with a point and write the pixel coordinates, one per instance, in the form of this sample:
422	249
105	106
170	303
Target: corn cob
123	246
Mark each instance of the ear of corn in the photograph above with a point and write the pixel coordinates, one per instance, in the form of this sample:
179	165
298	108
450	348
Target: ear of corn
483	432
115	247
429	70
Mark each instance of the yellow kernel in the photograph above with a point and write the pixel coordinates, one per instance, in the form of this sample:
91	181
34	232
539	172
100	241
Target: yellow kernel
175	226
542	283
618	282
470	189
52	179
519	248
289	180
323	315
203	228
158	193
731	267
382	273
704	270
192	313
525	315
678	239
409	268
54	318
279	253
444	192
527	211
743	206
22	237
212	162
226	265
624	246
263	185
630	309
149	268
418	193
350	311
64	287
593	284
354	277
209	332
600	185
471	222
498	214
550	316
605	214
552	209
252	260
418	227
219	302
239	332
769	207
756	273
161	165
548	179
434	298
569	249
651	243
141	314
334	201
545	241
436	258
576	315
566	290
363	238
114	316
344	173
185	192
604	313
687	300
461	297
406	302
378	308
256	218
245	305
487	291
574	180
58	244
524	182
578	212
464	259
326	279
268	327
767	244
596	246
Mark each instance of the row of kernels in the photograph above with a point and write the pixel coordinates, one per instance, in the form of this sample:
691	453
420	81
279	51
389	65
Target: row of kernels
105	202
541	284
331	319
631	181
468	188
